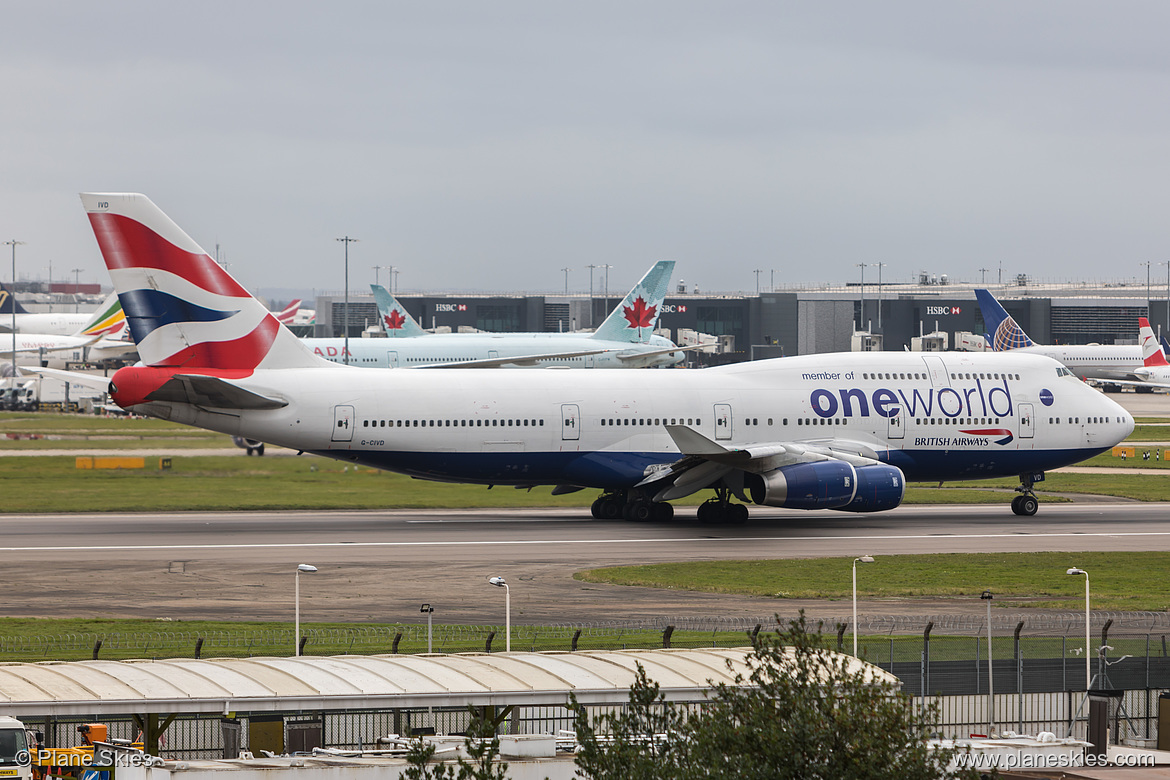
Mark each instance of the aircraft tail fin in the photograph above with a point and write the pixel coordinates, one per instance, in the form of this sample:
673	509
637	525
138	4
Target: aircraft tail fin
396	320
635	318
108	320
286	315
1152	354
1002	330
184	310
8	302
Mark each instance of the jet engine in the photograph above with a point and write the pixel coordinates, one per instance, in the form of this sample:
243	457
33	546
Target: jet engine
825	484
879	487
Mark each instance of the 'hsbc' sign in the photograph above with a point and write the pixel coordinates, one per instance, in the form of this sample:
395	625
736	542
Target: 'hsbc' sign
450	307
672	308
942	311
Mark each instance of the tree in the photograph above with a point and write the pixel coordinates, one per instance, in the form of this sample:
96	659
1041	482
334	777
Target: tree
481	744
801	712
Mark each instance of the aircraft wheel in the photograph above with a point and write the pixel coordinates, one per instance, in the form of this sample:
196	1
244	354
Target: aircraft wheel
250	452
663	512
638	511
737	514
260	450
704	512
610	509
1016	505
595	509
1028	506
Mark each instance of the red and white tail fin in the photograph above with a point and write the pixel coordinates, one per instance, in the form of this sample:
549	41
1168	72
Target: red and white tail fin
184	310
286	315
1152	354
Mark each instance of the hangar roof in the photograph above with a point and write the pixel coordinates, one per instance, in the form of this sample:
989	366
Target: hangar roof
267	684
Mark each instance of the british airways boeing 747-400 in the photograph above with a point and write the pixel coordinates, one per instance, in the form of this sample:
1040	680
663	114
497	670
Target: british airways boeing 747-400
836	431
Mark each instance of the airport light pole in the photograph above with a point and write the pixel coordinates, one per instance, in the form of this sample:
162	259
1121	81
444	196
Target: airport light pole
347	241
1088	668
500	583
566	270
606	266
757	272
428	610
862	559
304	567
880	266
378	268
862	267
990	683
1167	264
1147	264
591	266
14	244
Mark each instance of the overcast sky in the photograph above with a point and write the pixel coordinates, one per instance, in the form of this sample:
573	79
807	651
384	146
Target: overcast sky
488	145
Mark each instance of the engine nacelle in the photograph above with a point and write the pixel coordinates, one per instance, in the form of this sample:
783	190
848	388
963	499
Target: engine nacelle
879	487
825	484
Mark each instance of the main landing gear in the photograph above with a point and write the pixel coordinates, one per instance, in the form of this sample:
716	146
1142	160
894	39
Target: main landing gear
1026	504
637	508
720	510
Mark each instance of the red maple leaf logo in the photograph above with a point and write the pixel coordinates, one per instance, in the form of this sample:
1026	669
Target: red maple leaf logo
640	315
394	320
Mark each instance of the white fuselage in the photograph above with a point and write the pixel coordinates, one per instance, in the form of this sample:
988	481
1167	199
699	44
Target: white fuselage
51	351
49	323
1093	361
937	417
446	348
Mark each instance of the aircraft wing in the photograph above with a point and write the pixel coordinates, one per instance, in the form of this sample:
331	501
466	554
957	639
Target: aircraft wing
1130	382
705	462
202	390
516	360
624	355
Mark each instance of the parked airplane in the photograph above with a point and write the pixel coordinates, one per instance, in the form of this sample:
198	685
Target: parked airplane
107	320
1088	361
96	339
624	340
289	313
839	431
1155	370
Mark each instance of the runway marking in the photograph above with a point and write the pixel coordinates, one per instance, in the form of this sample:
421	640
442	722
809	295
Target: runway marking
679	540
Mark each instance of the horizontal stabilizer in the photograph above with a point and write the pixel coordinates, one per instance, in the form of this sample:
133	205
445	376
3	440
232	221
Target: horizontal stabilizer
86	380
200	390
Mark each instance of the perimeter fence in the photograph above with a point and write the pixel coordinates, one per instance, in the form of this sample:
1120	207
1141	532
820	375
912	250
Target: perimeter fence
1037	663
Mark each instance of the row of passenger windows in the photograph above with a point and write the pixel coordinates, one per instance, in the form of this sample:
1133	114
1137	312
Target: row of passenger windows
1088	420
606	421
957	421
915	375
452	423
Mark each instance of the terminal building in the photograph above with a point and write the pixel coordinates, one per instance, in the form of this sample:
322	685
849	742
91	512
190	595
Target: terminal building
797	321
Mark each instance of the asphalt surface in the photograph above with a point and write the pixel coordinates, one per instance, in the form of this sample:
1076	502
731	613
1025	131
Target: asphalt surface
380	566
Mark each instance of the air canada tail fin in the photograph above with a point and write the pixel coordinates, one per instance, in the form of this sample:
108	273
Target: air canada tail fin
108	321
1002	331
635	318
396	320
1152	354
8	302
184	310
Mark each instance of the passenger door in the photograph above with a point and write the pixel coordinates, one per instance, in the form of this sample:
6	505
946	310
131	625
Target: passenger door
570	422
1027	422
392	359
723	422
342	423
897	423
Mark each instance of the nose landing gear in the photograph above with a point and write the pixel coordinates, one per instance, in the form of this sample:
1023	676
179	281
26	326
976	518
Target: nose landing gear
1026	503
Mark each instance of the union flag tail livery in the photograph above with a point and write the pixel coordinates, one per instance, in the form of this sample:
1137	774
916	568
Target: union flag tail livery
184	311
635	319
396	320
1152	354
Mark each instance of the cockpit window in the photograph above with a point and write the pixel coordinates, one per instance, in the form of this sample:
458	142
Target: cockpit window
1062	371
